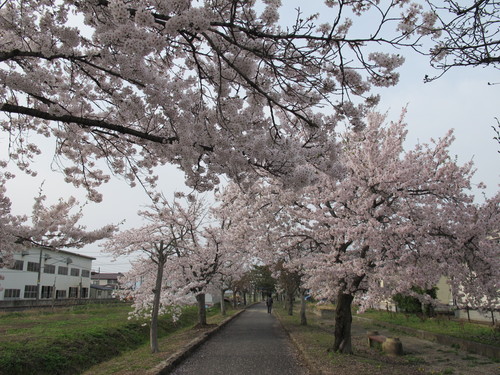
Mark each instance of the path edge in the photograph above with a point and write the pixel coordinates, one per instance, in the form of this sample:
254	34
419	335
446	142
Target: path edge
305	358
166	366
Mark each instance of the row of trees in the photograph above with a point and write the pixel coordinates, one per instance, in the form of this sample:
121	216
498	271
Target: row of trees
224	88
179	241
397	220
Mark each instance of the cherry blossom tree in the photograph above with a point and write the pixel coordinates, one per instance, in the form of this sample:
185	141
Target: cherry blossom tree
479	289
55	226
467	34
396	220
265	223
8	222
232	274
183	241
197	269
169	228
289	282
215	87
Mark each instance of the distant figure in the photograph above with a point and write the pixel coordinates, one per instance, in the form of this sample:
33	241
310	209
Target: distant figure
269	304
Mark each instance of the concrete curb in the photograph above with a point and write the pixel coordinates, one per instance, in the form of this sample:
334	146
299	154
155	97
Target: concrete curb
166	366
466	345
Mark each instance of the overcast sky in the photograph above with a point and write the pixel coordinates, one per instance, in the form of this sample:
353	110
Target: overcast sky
462	99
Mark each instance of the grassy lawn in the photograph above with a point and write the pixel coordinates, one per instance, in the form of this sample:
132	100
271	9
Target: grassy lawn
140	360
68	341
315	340
482	333
45	324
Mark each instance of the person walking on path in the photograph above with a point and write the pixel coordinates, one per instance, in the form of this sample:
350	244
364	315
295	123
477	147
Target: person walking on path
269	304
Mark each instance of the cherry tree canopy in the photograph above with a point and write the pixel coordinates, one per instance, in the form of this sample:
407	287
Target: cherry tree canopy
56	226
395	220
180	242
216	87
468	33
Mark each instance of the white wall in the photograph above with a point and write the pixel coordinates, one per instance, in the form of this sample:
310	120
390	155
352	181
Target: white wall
17	279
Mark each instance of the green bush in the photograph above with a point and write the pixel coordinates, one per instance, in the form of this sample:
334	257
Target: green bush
412	305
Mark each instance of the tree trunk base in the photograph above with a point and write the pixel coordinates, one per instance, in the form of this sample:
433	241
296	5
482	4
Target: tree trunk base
343	321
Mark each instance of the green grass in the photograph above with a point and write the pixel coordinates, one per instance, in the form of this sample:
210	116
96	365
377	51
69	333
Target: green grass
470	331
69	341
143	360
315	343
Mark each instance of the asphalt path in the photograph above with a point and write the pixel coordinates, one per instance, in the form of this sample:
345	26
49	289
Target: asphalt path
253	343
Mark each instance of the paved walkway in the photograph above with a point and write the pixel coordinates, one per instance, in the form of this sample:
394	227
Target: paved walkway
253	343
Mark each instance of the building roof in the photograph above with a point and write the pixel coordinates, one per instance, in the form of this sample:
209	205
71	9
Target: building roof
64	252
70	253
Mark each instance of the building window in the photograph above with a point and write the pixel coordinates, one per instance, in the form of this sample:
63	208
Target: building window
85	293
62	270
12	293
60	294
75	272
73	292
95	282
18	265
85	273
49	268
33	267
112	281
47	291
30	291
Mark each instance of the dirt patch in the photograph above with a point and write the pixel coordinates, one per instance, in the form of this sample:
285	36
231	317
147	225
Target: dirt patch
423	356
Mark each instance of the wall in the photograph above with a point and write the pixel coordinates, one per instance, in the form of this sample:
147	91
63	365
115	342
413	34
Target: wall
17	279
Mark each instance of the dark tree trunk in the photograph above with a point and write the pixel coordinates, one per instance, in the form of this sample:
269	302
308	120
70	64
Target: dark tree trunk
202	312
222	302
153	332
290	303
235	305
343	321
244	298
303	317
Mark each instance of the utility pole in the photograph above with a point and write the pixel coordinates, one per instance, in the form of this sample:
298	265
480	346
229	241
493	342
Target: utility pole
39	276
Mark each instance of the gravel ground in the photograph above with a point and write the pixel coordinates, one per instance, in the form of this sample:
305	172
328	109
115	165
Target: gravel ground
254	343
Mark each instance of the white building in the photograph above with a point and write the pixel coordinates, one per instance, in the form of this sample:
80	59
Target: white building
42	273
